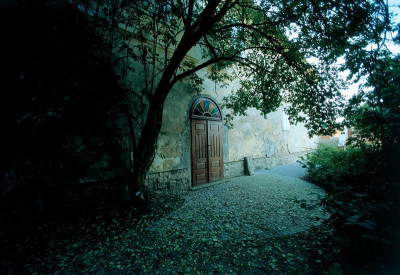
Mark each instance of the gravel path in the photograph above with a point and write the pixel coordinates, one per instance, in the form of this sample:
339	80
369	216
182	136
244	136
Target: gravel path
249	224
292	170
264	205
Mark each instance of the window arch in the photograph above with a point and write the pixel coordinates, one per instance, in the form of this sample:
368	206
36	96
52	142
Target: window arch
205	108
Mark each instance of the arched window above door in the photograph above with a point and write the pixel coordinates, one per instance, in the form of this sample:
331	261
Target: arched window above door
205	108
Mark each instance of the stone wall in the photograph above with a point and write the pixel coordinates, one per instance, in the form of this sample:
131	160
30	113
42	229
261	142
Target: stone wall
179	181
234	169
265	163
237	168
176	181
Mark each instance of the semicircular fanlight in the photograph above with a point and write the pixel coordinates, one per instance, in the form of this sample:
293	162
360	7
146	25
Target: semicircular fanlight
206	108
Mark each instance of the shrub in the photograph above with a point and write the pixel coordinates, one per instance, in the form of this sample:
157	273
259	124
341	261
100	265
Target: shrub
331	168
361	198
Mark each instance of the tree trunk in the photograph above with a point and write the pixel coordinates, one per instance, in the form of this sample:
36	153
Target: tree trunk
146	147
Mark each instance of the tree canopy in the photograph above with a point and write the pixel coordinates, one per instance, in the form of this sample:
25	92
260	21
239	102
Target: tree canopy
267	45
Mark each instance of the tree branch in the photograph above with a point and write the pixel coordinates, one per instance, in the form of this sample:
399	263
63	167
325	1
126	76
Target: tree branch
190	13
193	70
210	47
253	28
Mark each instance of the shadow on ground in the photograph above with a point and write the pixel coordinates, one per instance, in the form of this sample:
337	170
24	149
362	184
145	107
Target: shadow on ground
259	224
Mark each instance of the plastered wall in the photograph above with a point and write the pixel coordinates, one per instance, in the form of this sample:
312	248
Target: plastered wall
262	138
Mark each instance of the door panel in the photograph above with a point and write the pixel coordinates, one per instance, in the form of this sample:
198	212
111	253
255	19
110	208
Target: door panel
207	162
215	163
199	152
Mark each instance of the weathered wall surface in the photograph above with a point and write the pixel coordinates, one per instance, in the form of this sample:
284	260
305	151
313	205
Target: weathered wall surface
262	138
265	137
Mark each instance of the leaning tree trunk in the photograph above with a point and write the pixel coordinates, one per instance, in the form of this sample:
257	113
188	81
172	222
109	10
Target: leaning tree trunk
146	146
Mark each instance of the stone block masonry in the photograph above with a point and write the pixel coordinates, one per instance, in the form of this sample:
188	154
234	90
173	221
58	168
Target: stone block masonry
234	169
175	181
179	181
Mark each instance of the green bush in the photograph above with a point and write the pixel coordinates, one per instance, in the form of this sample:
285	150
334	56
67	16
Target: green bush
362	199
355	167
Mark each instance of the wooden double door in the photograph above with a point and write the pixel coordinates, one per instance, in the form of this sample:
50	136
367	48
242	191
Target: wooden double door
207	162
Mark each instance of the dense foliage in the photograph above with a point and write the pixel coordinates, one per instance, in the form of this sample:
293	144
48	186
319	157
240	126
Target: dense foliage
375	111
332	167
363	181
363	200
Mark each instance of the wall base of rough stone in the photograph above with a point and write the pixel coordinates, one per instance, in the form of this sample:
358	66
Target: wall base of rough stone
234	169
178	181
237	168
262	163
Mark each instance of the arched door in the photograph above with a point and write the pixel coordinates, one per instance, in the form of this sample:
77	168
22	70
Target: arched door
206	129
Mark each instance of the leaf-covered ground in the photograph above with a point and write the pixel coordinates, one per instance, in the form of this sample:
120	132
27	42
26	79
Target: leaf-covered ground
163	240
